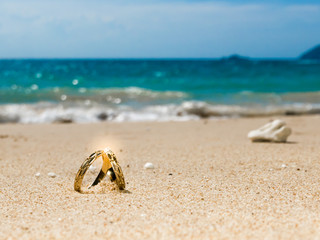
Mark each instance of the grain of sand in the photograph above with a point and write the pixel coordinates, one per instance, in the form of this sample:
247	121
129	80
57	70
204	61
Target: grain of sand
209	181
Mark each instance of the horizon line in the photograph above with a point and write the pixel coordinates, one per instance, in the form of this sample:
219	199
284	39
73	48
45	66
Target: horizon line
151	58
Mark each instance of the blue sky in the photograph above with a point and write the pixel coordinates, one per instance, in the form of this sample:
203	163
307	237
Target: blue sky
157	29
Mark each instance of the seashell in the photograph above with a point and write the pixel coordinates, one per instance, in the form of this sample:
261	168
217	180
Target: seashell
275	131
148	165
52	174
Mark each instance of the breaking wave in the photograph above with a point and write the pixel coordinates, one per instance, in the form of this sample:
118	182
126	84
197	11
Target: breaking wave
17	94
45	112
81	105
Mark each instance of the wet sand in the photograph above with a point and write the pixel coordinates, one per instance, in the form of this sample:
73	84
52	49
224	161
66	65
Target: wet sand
209	181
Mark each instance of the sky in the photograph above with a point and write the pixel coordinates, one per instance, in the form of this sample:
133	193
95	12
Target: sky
157	29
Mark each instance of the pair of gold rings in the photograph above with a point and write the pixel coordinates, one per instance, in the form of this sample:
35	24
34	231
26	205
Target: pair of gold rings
110	167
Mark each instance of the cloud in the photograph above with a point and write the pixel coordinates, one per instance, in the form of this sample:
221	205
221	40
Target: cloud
155	29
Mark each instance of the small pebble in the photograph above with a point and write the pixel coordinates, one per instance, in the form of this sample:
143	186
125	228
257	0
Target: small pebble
148	165
52	174
283	166
37	174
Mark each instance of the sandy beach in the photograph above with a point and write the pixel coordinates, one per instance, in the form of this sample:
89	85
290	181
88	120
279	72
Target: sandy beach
209	181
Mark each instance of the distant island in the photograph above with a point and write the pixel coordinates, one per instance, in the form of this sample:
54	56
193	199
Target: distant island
312	54
236	58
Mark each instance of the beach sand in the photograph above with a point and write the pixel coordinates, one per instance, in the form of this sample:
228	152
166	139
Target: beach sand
209	181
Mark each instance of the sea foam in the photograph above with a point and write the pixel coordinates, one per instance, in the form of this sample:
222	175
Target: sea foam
45	112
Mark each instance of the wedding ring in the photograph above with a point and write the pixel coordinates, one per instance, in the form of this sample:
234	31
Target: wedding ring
110	167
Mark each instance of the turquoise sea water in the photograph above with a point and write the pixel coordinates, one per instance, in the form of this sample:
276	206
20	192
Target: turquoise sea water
134	90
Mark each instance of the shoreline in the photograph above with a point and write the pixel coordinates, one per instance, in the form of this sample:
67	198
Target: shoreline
186	111
209	181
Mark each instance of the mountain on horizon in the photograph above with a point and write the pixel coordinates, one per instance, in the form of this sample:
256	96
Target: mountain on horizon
236	58
312	54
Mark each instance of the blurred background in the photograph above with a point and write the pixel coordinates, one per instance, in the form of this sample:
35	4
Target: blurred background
81	61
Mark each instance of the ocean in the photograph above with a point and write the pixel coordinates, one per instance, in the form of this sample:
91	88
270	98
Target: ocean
88	90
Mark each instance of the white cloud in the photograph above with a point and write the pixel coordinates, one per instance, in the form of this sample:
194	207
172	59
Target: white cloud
154	29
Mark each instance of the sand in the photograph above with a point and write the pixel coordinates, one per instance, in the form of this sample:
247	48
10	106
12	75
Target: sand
209	181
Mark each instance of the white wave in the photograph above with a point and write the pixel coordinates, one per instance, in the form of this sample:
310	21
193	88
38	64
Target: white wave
191	110
35	113
105	96
134	92
205	110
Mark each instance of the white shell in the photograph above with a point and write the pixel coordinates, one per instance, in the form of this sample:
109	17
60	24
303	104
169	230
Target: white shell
275	131
52	174
37	174
148	165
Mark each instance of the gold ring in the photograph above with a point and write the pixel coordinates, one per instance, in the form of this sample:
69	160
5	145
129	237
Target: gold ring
110	167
